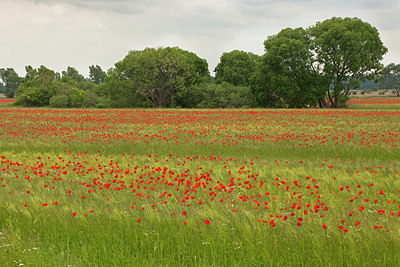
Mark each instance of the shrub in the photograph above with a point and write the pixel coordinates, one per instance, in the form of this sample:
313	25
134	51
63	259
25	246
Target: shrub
59	101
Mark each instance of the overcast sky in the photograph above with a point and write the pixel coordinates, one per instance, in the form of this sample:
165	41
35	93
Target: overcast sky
79	33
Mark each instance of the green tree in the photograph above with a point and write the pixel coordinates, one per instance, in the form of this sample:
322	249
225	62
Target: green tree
121	91
347	49
156	74
236	67
287	73
390	78
200	66
38	89
30	72
10	81
96	74
74	74
44	87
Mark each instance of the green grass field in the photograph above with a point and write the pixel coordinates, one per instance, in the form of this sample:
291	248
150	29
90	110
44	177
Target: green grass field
200	187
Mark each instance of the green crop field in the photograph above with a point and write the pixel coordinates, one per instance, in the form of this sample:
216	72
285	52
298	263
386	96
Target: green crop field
221	187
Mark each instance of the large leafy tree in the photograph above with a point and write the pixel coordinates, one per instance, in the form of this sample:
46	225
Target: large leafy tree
390	77
236	67
335	54
10	81
199	66
158	74
348	50
287	73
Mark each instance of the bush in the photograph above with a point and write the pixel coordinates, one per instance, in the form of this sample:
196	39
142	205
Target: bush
366	91
76	97
90	99
34	96
59	101
210	95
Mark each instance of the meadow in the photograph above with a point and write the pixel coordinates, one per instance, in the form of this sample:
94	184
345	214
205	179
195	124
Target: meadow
219	187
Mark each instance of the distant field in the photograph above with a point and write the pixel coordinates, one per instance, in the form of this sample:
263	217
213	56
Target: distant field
199	187
372	93
374	103
7	101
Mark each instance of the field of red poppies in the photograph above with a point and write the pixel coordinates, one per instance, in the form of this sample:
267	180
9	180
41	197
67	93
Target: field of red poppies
374	103
199	187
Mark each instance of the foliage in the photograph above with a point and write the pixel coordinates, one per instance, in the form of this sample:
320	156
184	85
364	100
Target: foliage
74	74
236	67
38	89
10	82
120	92
43	87
287	73
369	84
347	50
59	101
96	74
300	68
390	78
210	95
157	74
199	65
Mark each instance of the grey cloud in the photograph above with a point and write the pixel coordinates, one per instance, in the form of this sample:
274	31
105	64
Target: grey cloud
79	33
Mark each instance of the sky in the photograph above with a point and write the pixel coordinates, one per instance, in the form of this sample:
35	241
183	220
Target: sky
80	33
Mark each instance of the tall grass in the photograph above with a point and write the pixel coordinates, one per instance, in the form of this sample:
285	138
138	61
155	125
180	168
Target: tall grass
241	171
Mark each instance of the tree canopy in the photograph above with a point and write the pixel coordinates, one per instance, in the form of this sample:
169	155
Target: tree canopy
72	73
287	72
159	74
44	87
236	67
348	50
300	68
390	78
38	89
10	81
96	74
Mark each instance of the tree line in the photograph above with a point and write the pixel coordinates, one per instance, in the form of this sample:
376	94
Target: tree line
309	67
